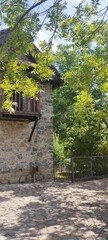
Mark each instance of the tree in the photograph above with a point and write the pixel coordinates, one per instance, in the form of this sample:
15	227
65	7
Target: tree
24	23
81	105
58	153
17	42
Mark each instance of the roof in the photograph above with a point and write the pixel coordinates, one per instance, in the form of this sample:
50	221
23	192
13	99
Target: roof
56	79
3	34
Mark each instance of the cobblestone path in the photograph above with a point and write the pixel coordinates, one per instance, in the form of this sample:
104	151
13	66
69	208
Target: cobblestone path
54	211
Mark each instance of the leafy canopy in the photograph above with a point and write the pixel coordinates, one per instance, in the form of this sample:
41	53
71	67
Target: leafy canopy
17	45
81	105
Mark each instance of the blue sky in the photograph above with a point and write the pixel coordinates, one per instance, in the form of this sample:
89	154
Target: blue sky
71	4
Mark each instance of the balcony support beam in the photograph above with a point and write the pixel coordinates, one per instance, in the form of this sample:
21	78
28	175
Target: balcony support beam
34	126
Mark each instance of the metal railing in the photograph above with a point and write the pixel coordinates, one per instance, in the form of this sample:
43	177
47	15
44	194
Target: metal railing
82	168
87	167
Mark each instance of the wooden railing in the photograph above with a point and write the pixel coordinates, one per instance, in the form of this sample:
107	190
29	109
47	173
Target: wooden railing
24	105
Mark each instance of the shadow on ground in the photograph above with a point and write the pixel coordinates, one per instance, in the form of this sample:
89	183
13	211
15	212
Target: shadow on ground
55	211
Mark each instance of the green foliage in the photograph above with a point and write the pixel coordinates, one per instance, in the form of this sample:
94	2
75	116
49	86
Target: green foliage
58	152
18	44
81	105
14	79
45	59
79	30
79	124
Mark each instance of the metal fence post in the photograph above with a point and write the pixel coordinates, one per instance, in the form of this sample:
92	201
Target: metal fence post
91	166
72	164
107	164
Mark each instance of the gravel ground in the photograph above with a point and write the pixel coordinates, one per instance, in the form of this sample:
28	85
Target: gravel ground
54	211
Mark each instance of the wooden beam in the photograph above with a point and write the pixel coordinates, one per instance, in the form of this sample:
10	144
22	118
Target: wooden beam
34	126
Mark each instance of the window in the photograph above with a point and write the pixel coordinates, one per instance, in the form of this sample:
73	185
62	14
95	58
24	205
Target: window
24	104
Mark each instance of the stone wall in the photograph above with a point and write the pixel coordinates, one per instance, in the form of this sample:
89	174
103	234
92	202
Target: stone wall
17	155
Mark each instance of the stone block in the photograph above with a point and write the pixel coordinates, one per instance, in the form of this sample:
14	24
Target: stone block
19	156
39	154
9	150
34	149
22	179
1	159
19	167
4	168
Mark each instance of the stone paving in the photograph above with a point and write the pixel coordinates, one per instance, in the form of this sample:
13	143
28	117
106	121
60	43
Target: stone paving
54	211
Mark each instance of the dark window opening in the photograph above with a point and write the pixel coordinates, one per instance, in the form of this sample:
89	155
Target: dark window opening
23	104
17	97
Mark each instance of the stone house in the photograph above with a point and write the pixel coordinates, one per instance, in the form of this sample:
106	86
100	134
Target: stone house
26	137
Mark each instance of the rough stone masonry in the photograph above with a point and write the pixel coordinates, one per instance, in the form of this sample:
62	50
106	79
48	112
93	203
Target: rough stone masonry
17	155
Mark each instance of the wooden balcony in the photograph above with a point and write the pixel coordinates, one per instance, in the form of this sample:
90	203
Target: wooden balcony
26	109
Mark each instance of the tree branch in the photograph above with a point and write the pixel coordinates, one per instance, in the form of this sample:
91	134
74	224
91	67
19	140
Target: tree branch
31	8
102	22
3	2
26	12
56	25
